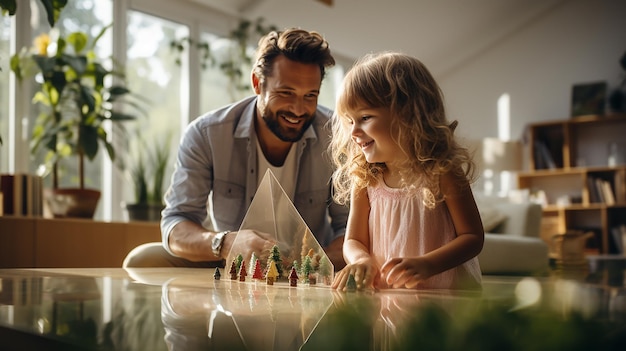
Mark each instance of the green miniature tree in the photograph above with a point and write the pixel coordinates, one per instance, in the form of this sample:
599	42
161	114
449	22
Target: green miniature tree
239	259
296	265
351	283
217	275
307	268
325	270
275	256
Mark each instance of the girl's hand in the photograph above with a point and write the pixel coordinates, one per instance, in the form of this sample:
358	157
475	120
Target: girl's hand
364	272
405	272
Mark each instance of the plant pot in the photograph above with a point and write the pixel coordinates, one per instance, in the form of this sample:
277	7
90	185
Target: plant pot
144	212
72	202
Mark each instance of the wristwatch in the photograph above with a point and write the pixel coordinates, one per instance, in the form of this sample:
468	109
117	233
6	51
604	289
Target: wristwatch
217	242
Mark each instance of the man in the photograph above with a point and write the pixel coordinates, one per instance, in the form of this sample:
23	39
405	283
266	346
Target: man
224	154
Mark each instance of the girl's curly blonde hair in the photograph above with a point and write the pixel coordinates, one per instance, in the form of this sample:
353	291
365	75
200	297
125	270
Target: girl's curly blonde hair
404	86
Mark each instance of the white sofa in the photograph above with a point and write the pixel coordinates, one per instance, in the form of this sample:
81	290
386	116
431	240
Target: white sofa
512	238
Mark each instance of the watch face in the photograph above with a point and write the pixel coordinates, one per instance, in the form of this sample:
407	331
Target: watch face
216	242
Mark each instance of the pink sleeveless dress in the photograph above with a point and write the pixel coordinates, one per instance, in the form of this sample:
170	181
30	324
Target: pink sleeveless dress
403	226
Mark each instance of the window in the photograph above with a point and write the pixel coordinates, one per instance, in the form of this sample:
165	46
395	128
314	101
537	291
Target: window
5	41
175	91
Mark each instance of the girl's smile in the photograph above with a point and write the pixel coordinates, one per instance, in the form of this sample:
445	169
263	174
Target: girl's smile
371	131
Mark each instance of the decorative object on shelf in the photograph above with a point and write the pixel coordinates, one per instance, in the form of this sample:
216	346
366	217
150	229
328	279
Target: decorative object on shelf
588	99
76	105
570	248
616	153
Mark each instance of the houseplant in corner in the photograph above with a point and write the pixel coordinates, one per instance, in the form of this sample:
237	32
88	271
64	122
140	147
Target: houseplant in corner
147	168
75	107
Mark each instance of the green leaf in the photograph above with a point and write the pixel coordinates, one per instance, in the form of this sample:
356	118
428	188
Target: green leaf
87	99
78	40
53	9
9	6
77	63
89	141
118	116
16	67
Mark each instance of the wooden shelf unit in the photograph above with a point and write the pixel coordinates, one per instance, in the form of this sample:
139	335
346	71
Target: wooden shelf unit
569	164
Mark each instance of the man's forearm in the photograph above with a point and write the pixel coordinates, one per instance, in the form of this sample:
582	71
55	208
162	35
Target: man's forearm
191	241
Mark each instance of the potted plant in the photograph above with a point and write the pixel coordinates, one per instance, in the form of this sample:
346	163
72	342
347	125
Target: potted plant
76	105
146	169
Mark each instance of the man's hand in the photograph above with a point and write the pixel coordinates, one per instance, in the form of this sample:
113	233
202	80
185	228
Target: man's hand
247	241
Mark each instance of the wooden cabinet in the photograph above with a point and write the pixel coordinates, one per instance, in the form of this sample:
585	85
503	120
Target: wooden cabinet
577	166
34	242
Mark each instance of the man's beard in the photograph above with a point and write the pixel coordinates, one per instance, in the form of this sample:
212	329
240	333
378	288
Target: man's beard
286	134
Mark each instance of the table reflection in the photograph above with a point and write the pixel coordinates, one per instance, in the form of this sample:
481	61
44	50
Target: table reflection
186	309
236	315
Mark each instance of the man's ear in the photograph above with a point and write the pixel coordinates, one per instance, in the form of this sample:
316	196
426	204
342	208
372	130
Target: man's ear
256	84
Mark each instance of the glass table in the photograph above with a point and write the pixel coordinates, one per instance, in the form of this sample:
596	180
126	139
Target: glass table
188	309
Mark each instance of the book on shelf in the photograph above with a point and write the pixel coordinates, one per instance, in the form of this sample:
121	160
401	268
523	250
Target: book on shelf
543	158
620	186
607	193
22	194
594	197
599	190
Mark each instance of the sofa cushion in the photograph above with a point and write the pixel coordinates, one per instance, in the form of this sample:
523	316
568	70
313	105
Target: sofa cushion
490	216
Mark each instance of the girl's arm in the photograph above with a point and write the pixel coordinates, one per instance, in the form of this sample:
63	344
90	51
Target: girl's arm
400	272
356	246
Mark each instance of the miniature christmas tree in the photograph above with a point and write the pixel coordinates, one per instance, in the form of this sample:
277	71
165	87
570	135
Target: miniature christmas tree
258	274
233	270
239	260
293	277
272	273
307	269
253	259
351	283
275	256
242	272
296	265
217	275
325	270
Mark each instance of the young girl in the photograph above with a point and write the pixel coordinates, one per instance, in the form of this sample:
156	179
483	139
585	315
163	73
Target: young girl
413	220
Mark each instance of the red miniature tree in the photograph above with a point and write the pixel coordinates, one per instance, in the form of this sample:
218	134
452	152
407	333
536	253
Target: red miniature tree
258	274
242	272
293	277
233	270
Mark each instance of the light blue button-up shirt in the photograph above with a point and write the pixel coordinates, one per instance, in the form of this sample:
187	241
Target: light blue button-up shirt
218	157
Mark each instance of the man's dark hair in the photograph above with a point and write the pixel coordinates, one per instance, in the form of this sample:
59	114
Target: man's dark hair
295	44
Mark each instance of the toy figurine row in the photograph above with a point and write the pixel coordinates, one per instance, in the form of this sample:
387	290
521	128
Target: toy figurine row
311	268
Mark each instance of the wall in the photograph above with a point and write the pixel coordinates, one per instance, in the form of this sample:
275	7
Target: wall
579	41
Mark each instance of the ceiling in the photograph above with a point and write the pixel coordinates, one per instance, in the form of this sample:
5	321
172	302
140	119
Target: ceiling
444	34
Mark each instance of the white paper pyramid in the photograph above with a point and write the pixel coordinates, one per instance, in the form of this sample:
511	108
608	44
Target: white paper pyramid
273	213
